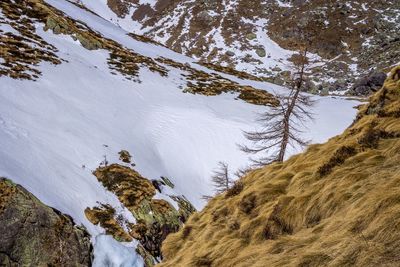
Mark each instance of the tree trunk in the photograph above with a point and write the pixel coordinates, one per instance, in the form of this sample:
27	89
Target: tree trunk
226	178
289	111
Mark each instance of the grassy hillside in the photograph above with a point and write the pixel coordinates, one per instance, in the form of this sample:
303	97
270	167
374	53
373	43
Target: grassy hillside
337	204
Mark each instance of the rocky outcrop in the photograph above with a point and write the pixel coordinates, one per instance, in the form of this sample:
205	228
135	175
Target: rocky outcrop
368	84
33	234
155	218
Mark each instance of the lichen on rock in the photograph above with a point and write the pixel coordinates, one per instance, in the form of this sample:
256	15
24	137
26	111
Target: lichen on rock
33	234
185	207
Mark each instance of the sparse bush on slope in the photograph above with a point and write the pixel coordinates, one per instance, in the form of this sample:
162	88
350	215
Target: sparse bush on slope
337	204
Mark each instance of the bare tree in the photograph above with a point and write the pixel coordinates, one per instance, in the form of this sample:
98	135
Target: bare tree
243	171
221	179
281	125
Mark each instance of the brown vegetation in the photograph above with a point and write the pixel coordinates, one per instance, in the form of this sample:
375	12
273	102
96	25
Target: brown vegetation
22	54
155	218
23	50
105	216
290	215
212	84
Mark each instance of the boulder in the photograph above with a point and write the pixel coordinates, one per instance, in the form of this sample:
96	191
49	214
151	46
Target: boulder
33	234
251	36
368	84
230	53
204	16
261	52
155	218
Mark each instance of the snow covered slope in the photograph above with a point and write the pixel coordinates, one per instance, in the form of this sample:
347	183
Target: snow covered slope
57	128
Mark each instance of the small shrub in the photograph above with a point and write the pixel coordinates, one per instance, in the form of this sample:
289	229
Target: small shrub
236	189
284	227
313	220
202	261
267	233
338	158
186	231
247	203
276	225
370	139
125	156
233	225
220	213
372	136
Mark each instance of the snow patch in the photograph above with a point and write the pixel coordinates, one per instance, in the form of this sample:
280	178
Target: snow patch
110	253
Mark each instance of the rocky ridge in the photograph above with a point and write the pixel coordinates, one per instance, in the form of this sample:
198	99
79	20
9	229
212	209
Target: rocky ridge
154	218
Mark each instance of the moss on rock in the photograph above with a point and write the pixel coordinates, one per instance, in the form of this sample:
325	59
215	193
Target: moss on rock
156	218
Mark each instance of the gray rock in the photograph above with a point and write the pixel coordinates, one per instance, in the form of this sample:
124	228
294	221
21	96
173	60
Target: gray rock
33	234
261	52
230	53
204	16
368	84
276	68
251	36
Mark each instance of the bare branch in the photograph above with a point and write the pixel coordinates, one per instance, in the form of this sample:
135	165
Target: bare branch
221	179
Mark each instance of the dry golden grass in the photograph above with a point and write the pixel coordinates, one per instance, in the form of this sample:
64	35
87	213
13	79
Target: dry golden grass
337	204
21	51
212	84
105	216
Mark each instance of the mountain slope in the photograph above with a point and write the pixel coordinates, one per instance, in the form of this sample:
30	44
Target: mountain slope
337	204
260	36
75	90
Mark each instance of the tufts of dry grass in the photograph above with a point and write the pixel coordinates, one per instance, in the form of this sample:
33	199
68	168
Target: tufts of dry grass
337	204
21	51
338	158
212	84
105	216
